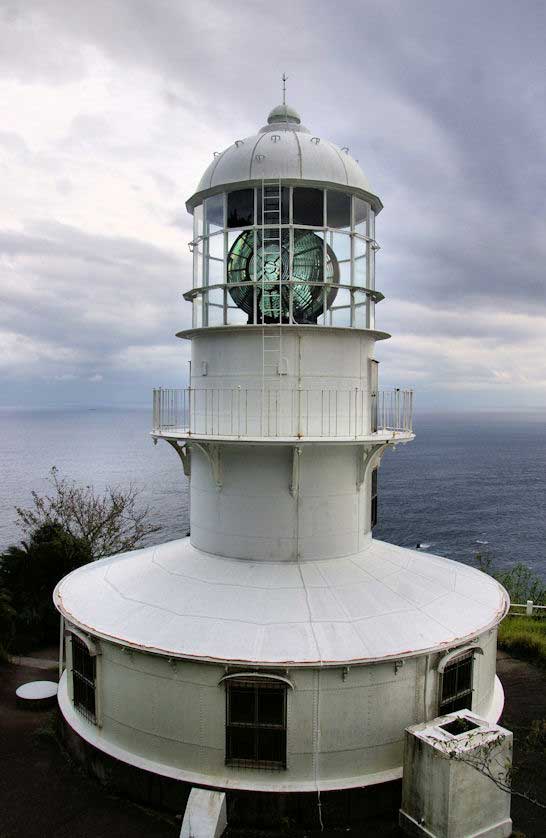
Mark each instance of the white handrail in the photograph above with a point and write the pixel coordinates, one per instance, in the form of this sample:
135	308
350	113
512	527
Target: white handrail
296	413
529	607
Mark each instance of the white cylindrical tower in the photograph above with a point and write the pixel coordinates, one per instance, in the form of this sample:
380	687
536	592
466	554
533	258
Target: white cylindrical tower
279	647
283	410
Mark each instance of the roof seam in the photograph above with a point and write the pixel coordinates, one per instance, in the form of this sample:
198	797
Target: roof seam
422	610
342	162
215	163
300	159
226	584
260	137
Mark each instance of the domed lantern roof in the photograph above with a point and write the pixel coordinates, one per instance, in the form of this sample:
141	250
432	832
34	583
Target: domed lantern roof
283	113
286	149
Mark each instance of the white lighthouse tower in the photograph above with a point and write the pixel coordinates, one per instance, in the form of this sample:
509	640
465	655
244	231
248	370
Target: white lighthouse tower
280	647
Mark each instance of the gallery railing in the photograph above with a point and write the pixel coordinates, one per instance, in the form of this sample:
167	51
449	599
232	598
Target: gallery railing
291	413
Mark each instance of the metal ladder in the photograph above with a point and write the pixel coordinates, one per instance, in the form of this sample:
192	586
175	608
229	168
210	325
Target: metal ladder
271	299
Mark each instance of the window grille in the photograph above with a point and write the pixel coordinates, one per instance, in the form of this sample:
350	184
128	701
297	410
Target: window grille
456	686
83	679
373	513
255	724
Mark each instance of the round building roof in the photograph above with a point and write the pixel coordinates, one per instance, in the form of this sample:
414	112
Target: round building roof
385	602
284	148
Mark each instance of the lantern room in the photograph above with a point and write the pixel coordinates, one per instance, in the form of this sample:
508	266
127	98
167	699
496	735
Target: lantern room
284	232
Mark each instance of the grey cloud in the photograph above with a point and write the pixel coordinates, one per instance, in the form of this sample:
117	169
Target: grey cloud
443	104
65	287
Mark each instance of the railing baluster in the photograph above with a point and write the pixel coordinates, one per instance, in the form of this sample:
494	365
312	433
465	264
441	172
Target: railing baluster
205	411
322	412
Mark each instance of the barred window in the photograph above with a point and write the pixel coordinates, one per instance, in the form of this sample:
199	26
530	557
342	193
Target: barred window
456	687
373	511
83	679
255	724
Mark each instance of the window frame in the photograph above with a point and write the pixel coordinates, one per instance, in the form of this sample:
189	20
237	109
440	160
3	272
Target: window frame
232	683
81	680
373	496
452	703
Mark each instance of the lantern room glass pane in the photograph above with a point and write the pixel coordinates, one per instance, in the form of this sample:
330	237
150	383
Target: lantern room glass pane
216	315
271	204
343	298
308	207
216	246
195	267
235	316
360	246
214	214
216	297
361	216
345	273
341	309
216	271
360	271
308	265
359	310
341	245
338	209
371	314
198	265
198	221
240	208
340	316
197	312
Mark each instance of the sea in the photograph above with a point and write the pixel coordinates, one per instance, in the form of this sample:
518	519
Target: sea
468	483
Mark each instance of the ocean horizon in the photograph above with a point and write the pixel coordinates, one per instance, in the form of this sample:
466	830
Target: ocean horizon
470	481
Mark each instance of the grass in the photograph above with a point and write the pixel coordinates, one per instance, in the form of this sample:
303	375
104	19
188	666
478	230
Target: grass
524	637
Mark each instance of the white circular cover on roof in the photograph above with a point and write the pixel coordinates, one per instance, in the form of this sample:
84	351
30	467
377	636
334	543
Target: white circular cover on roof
385	601
36	690
284	149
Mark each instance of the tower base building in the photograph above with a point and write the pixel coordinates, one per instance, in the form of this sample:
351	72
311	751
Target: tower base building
279	649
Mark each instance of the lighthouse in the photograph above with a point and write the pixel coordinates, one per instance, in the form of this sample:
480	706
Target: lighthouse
279	647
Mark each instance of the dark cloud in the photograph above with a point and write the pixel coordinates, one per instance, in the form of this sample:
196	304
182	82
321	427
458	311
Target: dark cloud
443	105
85	307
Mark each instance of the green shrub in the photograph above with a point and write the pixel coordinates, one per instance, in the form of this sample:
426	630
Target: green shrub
28	575
520	581
68	527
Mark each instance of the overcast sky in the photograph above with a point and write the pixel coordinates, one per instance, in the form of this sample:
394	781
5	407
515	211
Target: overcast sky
111	110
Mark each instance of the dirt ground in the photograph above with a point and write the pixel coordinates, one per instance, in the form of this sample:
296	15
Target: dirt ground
525	701
43	795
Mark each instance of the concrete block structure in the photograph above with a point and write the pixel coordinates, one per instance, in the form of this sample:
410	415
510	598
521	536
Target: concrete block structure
205	815
456	778
279	649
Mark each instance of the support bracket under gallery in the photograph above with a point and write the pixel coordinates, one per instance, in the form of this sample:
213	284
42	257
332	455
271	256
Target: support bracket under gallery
367	455
184	453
